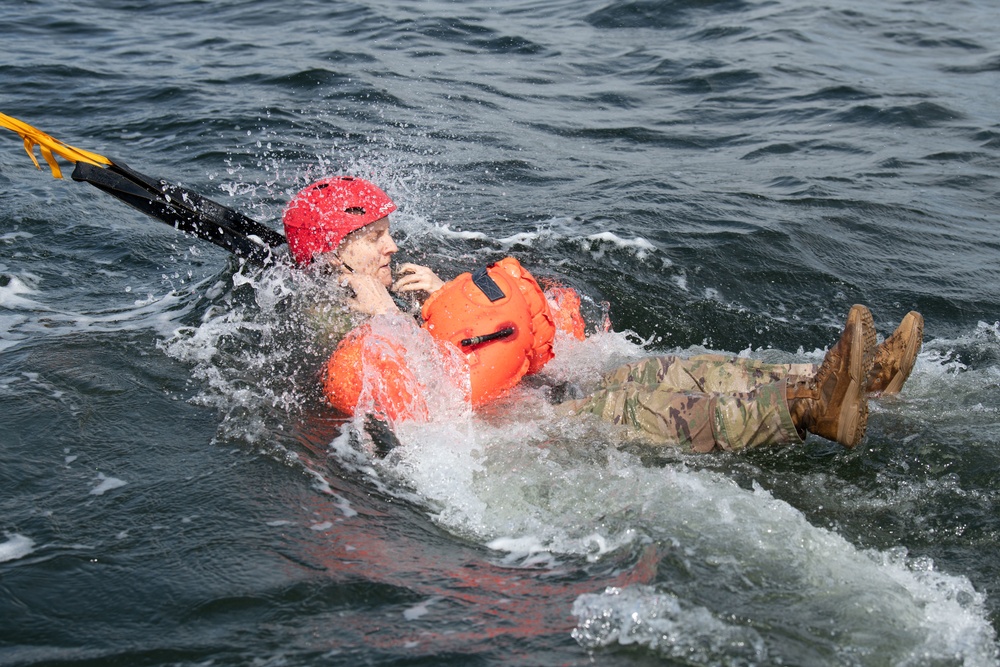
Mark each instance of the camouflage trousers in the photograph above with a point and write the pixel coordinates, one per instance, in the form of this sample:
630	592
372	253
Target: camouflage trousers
704	403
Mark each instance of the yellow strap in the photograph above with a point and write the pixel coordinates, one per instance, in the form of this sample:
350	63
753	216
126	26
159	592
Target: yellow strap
49	145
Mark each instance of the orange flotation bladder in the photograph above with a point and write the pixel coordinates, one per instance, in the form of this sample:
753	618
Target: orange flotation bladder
364	357
499	319
496	317
564	302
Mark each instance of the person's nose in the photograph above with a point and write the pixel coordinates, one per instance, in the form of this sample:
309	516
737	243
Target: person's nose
390	246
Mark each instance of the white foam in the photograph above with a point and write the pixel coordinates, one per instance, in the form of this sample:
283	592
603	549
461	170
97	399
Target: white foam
661	622
105	484
156	312
16	546
638	243
932	617
12	295
522	238
523	545
420	610
12	237
445	231
748	537
953	614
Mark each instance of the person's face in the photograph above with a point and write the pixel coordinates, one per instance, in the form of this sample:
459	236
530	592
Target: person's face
368	251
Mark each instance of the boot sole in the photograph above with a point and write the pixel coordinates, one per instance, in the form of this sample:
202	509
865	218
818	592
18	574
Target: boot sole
854	408
914	339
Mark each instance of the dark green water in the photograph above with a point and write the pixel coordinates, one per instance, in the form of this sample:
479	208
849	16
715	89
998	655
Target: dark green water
726	175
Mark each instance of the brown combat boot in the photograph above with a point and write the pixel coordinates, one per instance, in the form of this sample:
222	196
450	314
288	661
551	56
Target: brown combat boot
895	357
833	403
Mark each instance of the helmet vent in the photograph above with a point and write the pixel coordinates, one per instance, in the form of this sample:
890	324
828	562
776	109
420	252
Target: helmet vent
355	210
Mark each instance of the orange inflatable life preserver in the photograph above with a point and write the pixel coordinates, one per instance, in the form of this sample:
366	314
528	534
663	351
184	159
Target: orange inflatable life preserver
497	318
564	302
363	355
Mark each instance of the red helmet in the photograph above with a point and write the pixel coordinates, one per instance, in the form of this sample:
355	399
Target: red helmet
320	216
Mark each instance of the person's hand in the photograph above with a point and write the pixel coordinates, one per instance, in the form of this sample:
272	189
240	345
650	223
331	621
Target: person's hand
416	278
370	295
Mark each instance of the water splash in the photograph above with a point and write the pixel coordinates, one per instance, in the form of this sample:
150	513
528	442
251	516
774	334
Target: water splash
664	624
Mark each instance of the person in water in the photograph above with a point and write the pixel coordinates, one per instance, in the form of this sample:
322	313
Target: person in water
704	403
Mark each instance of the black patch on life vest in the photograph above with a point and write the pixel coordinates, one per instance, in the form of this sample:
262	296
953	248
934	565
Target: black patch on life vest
482	280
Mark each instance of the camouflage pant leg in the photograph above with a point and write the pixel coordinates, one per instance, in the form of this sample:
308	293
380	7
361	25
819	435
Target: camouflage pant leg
701	422
706	373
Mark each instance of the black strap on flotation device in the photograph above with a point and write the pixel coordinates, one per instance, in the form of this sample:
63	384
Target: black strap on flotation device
184	210
484	282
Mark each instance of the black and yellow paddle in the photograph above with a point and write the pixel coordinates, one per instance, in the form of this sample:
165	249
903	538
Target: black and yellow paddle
174	205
